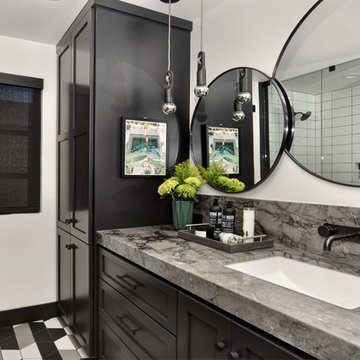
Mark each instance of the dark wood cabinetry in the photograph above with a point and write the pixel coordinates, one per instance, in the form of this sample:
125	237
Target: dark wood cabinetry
74	251
73	284
138	307
111	64
202	332
128	330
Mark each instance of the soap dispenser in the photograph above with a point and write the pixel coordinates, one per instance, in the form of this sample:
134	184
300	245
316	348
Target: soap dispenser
228	219
215	216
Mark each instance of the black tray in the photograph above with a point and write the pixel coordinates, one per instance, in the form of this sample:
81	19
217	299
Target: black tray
255	245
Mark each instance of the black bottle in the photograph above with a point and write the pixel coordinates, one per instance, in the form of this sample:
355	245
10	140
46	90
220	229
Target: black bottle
215	216
228	219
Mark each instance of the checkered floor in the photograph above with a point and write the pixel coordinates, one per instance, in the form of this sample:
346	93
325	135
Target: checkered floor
49	339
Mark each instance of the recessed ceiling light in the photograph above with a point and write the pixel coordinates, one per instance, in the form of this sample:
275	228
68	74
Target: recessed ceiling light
351	76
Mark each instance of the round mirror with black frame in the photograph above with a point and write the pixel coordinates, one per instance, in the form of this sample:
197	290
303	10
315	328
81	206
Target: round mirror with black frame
241	126
319	68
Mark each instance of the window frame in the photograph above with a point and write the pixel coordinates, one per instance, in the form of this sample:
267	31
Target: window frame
34	136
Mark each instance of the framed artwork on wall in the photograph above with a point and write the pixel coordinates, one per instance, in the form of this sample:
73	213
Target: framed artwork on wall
144	149
223	148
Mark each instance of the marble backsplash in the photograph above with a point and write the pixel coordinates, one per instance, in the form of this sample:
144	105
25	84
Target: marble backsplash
292	224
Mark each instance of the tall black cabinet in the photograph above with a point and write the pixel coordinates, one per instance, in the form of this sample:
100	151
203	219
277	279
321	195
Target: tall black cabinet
111	65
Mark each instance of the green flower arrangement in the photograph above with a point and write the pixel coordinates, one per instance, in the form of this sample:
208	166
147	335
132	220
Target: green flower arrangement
184	183
216	177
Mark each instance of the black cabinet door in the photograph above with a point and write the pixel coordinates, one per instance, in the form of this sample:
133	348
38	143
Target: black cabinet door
250	345
64	137
202	332
81	290
80	130
64	275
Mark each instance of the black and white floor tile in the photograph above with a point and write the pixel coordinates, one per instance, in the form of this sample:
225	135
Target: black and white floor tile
44	339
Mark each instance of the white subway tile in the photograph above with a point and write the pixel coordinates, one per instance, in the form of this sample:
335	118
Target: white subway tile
342	167
327	150
356	119
327	132
356	100
356	129
337	94
342	139
327	114
341	130
327	105
342	121
342	102
345	111
356	110
326	96
342	177
341	158
341	149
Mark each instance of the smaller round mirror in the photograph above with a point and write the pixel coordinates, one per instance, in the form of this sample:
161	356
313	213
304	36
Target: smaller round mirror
240	129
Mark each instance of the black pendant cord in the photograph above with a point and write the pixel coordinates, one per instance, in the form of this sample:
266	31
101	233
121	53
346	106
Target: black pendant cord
168	107
201	89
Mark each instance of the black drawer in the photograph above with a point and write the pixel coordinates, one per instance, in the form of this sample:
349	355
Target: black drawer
143	336
110	346
152	295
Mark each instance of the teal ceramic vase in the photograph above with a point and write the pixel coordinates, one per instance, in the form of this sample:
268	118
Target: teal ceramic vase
182	213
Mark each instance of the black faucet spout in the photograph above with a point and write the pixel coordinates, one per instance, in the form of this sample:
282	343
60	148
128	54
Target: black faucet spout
348	237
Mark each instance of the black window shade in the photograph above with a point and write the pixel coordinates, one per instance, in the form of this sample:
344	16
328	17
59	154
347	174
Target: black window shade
20	136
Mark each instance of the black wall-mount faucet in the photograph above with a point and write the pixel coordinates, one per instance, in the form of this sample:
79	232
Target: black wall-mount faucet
338	232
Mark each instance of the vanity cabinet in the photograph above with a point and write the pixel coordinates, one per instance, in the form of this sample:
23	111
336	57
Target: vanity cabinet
139	309
143	316
204	333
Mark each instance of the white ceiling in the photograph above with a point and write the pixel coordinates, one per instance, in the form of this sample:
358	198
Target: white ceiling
46	21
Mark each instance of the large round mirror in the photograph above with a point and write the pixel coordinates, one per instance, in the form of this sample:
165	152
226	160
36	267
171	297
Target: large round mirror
240	126
320	71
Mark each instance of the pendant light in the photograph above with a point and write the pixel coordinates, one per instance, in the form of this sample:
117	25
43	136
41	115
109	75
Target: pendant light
169	107
242	96
201	89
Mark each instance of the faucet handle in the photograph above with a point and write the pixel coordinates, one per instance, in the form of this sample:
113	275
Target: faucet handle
327	230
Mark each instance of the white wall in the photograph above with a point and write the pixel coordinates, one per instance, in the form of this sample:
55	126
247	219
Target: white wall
252	33
28	241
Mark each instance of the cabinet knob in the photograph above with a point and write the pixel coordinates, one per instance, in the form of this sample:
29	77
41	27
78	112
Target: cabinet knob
68	221
220	346
234	355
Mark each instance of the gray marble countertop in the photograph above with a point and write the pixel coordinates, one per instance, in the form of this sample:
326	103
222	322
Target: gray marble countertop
318	328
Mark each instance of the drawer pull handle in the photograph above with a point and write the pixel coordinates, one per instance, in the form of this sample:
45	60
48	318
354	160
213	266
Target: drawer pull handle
220	346
128	324
129	281
70	246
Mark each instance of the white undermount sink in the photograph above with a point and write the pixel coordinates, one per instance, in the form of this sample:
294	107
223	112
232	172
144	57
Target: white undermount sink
324	284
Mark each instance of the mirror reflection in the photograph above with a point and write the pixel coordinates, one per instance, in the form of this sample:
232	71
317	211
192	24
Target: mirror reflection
320	71
241	126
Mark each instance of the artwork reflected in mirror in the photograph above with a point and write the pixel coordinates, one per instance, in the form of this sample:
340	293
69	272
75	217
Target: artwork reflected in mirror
224	148
144	148
242	125
320	71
